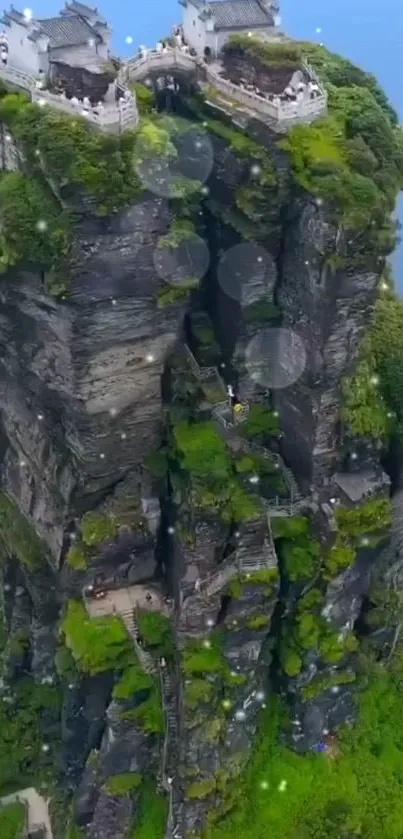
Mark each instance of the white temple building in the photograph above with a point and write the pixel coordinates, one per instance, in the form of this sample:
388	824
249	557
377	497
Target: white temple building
207	26
78	36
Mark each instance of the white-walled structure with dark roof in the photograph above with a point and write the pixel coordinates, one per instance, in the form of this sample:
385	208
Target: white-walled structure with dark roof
78	36
208	25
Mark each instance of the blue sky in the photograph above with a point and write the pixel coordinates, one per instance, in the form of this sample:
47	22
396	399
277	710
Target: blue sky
367	31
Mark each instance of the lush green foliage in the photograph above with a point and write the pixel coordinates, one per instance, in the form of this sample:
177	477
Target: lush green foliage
18	535
261	423
358	793
149	714
386	357
156	632
322	683
97	644
152	814
200	659
124	783
71	153
257	622
371	516
133	680
260	311
353	157
144	98
298	550
203	455
197	691
12	821
201	789
309	631
172	293
65	664
97	528
274	55
22	763
34	230
77	558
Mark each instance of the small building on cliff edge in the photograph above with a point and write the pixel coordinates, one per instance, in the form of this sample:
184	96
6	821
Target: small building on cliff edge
207	26
79	36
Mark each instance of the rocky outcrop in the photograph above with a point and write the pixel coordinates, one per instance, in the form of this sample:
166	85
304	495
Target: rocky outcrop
327	307
81	378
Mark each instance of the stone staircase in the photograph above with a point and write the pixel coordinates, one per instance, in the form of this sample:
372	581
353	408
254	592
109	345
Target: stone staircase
146	660
170	757
256	551
215	582
202	374
254	448
228	417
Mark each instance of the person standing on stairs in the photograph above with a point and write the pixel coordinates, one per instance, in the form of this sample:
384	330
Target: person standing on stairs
231	396
234	403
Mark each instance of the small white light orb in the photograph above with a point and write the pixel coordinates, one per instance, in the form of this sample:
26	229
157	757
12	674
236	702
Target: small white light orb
210	622
150	358
171	530
22	463
254	479
240	716
260	696
123	435
226	703
113	301
207	644
102	456
27	14
40	416
113	412
282	786
129	39
374	380
264	785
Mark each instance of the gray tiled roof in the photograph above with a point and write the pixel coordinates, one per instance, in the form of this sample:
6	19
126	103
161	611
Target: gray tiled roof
83	10
237	14
14	15
69	31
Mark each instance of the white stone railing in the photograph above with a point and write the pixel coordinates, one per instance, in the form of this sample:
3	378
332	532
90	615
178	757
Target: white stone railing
280	115
18	77
137	68
112	117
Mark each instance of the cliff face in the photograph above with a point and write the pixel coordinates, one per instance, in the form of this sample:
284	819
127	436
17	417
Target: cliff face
81	383
328	309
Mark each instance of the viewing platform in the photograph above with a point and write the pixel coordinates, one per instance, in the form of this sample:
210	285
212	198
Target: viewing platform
279	116
111	117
